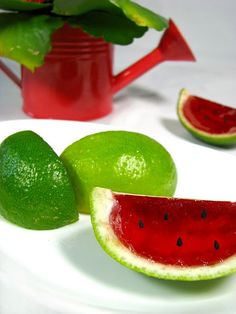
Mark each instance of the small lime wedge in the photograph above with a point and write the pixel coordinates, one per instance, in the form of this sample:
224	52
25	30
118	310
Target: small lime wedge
208	121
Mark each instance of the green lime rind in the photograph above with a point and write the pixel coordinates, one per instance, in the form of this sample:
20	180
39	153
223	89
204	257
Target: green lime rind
123	161
35	190
101	207
227	139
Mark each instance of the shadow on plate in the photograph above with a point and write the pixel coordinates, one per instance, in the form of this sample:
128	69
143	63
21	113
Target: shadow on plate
83	251
176	128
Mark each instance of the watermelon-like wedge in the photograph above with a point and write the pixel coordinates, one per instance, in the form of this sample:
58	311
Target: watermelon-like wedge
167	238
208	121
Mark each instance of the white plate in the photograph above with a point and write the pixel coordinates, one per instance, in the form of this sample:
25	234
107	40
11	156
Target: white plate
66	271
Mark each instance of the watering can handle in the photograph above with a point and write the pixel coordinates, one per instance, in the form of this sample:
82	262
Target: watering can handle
10	74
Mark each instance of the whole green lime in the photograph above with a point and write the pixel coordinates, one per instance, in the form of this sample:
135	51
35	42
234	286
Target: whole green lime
35	190
121	161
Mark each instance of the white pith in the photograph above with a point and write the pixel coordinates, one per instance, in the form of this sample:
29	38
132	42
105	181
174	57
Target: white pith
102	204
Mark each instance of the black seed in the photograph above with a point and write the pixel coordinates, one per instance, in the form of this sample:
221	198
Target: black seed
206	118
179	242
204	214
141	224
216	245
166	216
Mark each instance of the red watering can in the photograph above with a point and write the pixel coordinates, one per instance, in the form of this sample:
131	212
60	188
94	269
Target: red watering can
76	81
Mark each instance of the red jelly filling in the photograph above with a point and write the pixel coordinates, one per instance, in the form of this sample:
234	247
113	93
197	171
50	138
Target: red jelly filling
175	231
210	117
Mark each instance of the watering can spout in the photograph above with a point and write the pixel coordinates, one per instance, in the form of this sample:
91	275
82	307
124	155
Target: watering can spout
172	47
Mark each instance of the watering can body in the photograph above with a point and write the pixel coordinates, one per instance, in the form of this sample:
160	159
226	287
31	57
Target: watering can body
76	81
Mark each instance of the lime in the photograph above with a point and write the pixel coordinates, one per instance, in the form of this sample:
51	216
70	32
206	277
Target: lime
122	161
35	190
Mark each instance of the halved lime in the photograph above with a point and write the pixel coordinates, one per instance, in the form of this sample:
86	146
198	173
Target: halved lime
35	189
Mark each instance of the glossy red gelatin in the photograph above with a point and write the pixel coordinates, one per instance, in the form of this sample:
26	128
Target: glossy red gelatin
209	116
175	231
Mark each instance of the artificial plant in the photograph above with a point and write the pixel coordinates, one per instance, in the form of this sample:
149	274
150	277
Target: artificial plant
26	27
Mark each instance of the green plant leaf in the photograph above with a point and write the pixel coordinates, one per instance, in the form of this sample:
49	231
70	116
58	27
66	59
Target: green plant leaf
79	7
140	15
135	12
116	29
26	38
21	5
